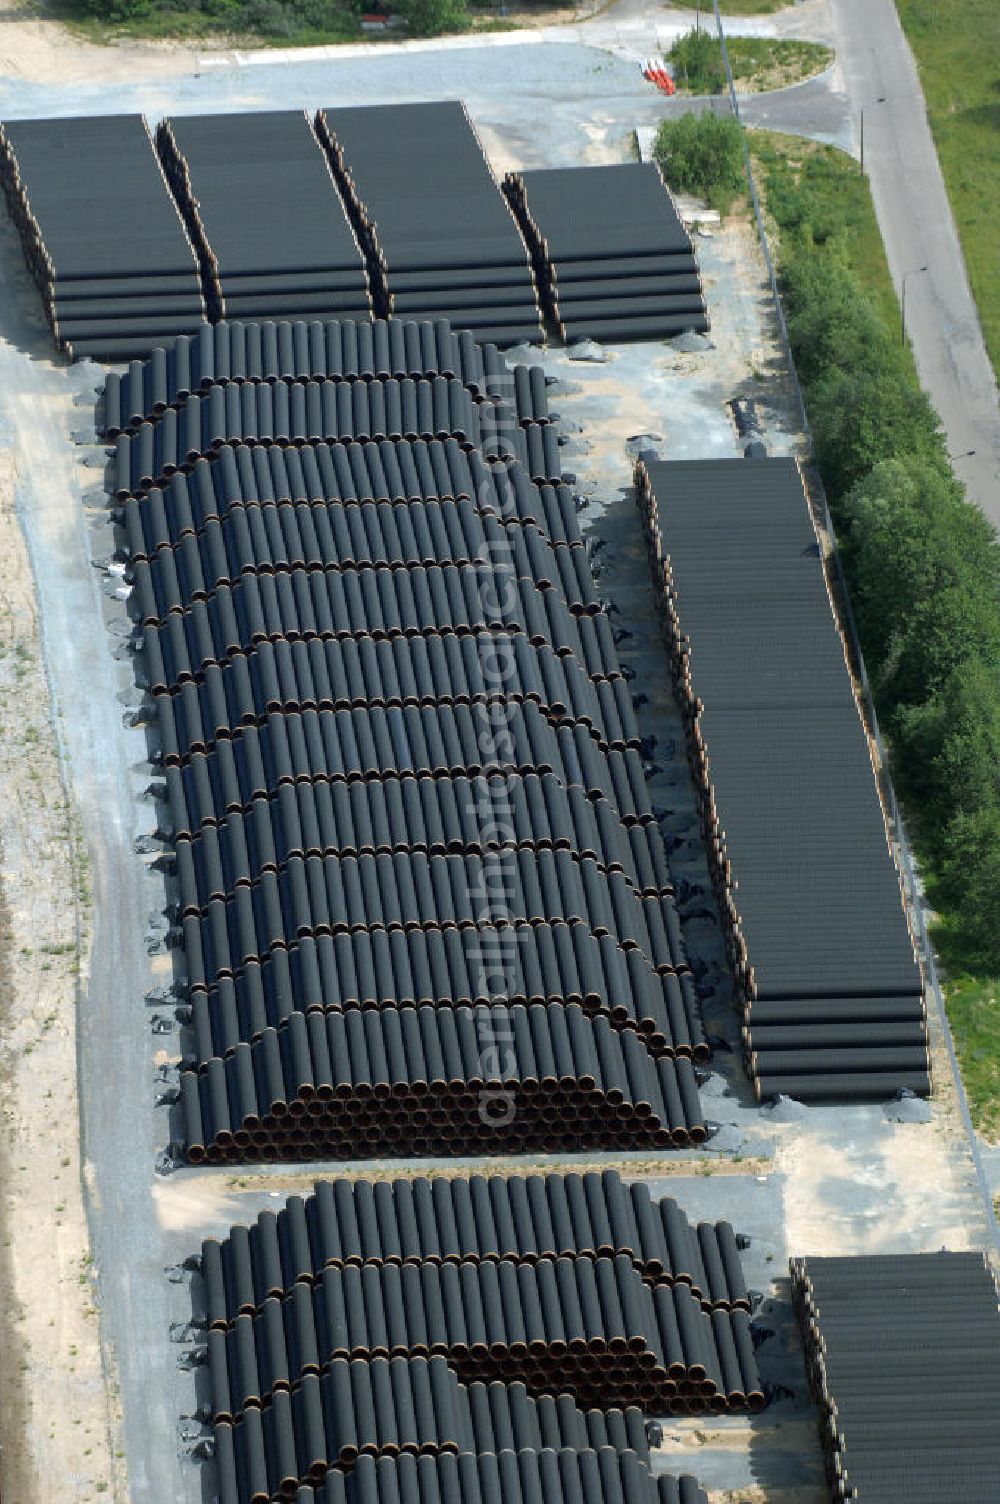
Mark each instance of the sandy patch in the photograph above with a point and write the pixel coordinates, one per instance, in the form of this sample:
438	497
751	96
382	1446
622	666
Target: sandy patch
901	1189
43	51
56	1421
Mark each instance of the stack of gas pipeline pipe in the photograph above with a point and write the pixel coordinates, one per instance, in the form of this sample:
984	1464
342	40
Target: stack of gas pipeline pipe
903	1357
419	895
303	352
100	233
265	216
475	1219
482	1325
611	257
390	209
440	238
807	886
499	1320
564	1476
328	412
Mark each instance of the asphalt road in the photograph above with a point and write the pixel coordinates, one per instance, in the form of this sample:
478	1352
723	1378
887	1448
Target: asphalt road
918	229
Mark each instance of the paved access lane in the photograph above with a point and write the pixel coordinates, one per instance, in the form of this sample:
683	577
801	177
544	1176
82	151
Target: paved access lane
917	226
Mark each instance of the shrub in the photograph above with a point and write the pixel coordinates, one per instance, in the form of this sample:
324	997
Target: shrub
119	10
950	748
428	18
831	323
861	416
924	574
702	154
697	60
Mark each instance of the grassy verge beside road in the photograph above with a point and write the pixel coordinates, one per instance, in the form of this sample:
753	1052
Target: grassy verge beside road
953	41
923	565
738	7
758	63
245	22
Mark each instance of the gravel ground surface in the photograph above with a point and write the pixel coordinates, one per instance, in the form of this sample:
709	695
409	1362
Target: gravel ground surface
557	96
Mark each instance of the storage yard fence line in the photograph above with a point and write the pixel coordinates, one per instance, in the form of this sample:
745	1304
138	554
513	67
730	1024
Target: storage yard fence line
251	217
384	1340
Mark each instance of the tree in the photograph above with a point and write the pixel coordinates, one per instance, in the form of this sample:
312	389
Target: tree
951	749
429	18
119	10
862	416
970	880
924	567
831	322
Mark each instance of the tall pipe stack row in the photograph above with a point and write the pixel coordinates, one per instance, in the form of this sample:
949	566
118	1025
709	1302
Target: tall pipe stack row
399	1407
301	352
272	235
807	885
612	259
429	213
477	1219
101	234
590	1327
381	210
328	412
265	220
466	1323
903	1356
566	1476
330	635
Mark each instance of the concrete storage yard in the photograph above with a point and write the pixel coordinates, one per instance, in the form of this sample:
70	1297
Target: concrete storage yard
108	1406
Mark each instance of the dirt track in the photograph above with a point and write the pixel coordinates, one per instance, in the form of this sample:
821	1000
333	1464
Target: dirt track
55	1426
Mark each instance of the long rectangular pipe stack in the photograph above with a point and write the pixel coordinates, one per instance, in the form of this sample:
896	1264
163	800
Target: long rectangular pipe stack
427	208
822	956
394	1407
328	412
903	1357
466	1322
612	259
305	635
101	235
603	1476
265	215
590	1327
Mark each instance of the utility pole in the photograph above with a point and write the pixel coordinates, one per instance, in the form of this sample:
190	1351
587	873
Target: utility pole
697	18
